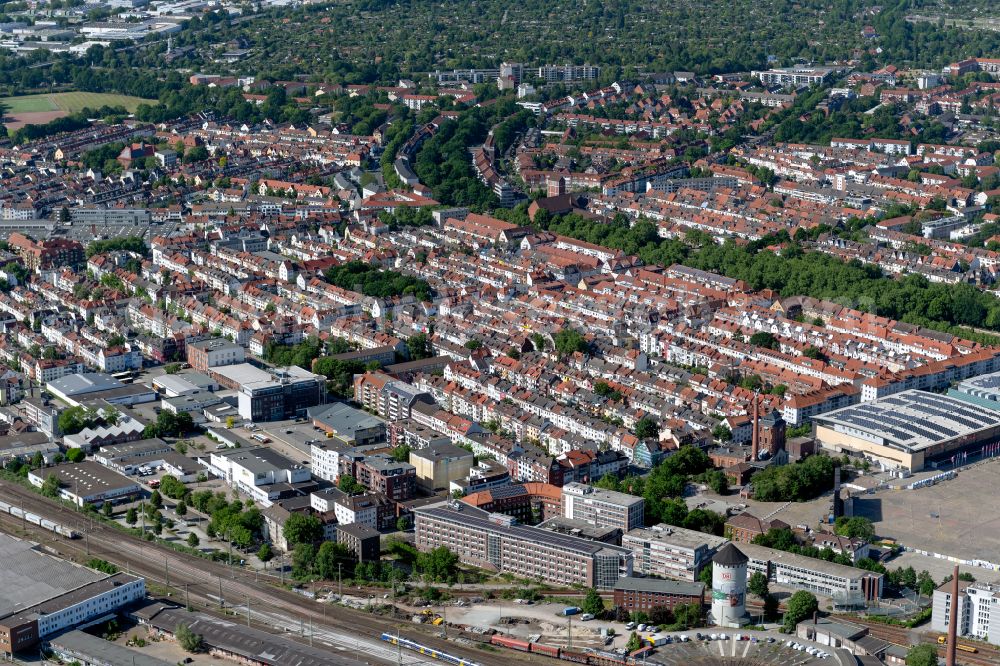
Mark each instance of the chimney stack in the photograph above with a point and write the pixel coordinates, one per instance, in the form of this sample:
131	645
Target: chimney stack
754	443
950	649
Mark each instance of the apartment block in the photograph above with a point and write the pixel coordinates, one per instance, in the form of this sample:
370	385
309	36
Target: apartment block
379	473
206	354
388	397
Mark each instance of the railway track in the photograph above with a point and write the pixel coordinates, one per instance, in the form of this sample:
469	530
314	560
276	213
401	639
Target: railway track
206	584
986	656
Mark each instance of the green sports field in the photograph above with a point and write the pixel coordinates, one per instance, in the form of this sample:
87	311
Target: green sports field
69	102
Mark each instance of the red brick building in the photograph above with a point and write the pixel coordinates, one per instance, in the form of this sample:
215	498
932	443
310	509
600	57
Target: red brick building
53	253
644	594
744	527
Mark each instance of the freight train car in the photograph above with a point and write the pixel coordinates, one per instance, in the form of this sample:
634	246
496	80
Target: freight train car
34	519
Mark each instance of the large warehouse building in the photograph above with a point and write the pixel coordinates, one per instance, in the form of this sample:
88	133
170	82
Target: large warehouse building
908	429
41	595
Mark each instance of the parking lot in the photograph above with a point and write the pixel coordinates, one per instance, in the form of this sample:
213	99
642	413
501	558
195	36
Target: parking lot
950	518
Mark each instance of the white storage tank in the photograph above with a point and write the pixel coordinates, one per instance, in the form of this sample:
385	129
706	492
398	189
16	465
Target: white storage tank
729	587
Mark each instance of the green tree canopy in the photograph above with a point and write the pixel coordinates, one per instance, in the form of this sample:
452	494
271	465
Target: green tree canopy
801	606
857	527
593	603
302	528
924	654
568	341
187	639
439	564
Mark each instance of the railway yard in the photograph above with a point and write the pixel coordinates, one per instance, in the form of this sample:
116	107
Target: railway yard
200	583
356	636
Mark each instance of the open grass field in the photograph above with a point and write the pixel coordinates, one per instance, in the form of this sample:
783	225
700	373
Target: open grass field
70	102
37	109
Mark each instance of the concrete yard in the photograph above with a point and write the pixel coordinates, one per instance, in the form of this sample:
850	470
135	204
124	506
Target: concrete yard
542	619
957	518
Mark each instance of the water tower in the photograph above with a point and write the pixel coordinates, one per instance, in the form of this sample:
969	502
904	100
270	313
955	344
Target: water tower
729	587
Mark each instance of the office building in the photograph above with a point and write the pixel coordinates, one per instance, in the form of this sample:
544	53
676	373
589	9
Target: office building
440	464
645	594
978	610
909	429
41	595
273	394
498	543
603	508
847	586
215	352
578	528
670	552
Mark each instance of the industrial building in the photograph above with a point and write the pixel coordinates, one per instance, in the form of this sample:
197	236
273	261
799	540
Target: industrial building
87	482
41	595
907	430
497	542
79	647
256	471
79	388
234	642
670	552
983	390
346	424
